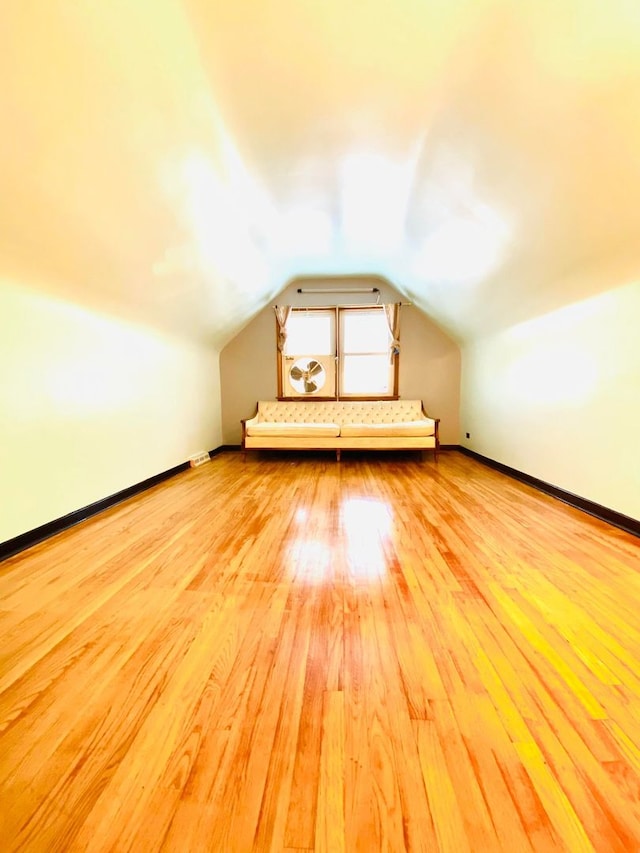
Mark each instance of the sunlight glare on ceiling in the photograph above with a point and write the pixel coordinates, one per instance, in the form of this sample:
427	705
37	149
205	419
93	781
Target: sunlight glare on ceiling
216	212
303	230
464	249
374	196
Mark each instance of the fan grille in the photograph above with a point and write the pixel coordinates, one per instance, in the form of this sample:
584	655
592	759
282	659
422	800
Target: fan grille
307	376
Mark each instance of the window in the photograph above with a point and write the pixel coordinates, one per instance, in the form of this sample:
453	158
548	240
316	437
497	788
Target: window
365	365
311	332
331	353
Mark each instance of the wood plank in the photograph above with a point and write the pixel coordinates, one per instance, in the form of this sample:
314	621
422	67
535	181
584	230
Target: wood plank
330	820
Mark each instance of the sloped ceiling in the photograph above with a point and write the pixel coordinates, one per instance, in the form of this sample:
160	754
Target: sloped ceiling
179	161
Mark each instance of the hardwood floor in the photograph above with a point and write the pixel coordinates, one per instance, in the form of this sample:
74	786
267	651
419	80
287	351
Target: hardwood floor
293	654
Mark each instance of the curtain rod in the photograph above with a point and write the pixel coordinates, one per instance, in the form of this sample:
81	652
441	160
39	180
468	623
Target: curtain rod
347	305
338	290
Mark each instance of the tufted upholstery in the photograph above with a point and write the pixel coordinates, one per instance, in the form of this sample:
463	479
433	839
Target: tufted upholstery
340	412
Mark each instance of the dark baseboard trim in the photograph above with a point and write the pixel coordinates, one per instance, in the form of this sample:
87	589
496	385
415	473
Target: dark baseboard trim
32	537
617	519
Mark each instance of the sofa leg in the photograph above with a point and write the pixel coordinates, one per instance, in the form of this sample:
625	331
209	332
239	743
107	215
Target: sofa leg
337	454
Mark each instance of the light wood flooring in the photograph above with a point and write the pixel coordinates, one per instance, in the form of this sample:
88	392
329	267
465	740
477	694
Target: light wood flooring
287	653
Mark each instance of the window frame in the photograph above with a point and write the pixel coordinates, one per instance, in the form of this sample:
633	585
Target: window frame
338	356
391	374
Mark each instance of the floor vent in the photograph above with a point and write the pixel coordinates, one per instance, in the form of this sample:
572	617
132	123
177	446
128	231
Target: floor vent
199	458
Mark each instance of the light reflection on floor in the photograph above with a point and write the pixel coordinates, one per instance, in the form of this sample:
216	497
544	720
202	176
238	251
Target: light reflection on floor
367	525
324	552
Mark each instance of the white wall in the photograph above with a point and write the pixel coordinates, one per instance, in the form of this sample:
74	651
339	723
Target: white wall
558	397
429	363
90	405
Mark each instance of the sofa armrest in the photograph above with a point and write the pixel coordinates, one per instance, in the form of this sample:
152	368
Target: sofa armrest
243	422
437	431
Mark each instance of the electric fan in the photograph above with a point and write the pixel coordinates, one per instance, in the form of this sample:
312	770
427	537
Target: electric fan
307	376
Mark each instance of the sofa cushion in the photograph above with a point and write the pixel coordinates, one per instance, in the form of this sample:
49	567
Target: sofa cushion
275	428
421	427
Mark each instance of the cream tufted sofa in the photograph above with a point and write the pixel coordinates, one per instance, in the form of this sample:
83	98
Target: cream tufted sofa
341	424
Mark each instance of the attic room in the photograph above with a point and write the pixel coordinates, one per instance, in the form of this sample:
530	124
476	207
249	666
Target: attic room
280	649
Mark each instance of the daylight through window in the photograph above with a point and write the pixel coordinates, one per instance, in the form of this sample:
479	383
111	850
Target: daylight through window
337	353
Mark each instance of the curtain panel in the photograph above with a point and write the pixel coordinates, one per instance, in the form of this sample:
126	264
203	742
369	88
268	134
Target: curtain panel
282	315
392	314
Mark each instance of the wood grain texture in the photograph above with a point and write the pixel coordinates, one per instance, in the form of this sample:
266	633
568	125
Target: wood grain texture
282	653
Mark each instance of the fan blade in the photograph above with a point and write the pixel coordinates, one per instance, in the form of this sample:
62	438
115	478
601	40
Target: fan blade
310	387
314	368
295	372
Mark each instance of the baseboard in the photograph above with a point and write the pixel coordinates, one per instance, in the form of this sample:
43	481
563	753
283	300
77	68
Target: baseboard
32	537
617	519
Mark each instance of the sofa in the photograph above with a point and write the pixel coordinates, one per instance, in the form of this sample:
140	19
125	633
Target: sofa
341	425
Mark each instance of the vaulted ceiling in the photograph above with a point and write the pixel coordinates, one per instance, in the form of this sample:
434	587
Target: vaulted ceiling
178	161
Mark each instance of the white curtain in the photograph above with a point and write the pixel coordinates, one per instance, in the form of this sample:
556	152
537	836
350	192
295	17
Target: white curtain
392	314
282	315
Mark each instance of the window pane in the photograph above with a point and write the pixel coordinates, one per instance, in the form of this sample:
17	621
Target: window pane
310	333
365	331
366	374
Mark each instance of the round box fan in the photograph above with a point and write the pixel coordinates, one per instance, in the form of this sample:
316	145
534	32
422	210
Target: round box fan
307	376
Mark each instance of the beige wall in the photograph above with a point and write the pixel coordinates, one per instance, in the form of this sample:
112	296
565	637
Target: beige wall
558	397
91	405
429	365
